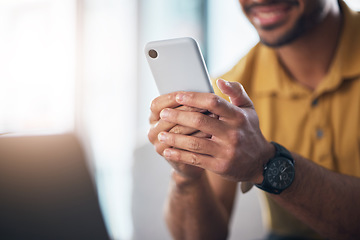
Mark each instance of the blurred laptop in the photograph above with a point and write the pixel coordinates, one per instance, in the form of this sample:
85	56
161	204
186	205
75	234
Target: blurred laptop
46	191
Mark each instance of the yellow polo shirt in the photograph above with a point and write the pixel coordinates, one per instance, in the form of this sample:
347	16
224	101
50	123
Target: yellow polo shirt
322	125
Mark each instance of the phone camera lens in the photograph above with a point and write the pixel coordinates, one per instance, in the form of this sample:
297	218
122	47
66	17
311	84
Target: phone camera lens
153	53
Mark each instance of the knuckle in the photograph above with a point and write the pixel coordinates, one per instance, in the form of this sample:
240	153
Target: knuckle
199	120
234	137
175	157
190	95
194	145
241	117
239	86
171	96
194	159
214	101
171	140
230	153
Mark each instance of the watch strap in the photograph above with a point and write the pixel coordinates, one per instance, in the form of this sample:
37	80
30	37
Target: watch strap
280	151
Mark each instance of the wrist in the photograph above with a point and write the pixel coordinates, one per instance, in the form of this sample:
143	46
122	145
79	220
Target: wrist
183	182
269	152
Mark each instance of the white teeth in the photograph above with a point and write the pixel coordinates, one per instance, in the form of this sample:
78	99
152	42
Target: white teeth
268	14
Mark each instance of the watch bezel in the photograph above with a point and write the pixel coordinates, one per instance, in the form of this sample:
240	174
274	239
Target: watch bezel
267	170
281	154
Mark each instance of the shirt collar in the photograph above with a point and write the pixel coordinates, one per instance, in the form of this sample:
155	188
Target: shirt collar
270	77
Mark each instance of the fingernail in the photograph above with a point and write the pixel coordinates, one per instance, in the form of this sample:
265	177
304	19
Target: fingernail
164	113
167	153
162	137
227	83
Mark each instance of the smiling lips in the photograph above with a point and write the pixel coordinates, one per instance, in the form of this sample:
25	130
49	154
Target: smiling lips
270	15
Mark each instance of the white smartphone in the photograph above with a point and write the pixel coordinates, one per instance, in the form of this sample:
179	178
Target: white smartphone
178	65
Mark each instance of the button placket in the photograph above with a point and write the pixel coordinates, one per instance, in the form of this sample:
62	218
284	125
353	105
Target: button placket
315	115
322	138
317	118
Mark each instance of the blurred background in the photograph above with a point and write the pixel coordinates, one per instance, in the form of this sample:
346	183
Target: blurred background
79	66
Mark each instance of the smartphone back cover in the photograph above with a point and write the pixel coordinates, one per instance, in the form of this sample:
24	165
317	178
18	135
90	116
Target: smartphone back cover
179	66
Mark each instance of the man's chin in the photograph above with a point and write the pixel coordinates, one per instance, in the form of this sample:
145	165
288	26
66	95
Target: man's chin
277	43
276	40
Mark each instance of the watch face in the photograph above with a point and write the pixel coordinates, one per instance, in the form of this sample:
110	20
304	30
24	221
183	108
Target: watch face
280	173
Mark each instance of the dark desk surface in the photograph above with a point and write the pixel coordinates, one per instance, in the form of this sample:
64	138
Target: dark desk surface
46	191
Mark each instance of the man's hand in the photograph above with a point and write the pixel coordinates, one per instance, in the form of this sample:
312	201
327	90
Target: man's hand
158	125
236	150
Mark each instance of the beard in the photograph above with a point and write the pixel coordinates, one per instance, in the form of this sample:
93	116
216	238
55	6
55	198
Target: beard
301	27
288	37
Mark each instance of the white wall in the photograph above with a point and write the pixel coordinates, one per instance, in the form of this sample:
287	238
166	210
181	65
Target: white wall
106	107
230	35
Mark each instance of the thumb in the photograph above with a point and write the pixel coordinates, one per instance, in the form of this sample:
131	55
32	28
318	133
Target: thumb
236	93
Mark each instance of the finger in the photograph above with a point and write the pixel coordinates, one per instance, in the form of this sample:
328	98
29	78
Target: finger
172	128
190	158
187	130
196	120
200	134
191	131
209	101
158	127
161	102
192	109
167	101
161	126
236	92
182	130
190	143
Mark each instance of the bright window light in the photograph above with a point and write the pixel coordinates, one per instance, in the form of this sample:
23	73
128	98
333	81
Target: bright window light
37	65
354	4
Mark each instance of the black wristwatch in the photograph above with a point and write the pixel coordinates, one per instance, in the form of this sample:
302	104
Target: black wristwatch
279	171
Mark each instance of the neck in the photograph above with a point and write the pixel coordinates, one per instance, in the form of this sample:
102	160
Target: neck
307	60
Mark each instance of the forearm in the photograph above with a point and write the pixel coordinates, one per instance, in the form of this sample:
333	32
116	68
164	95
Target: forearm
327	201
193	212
